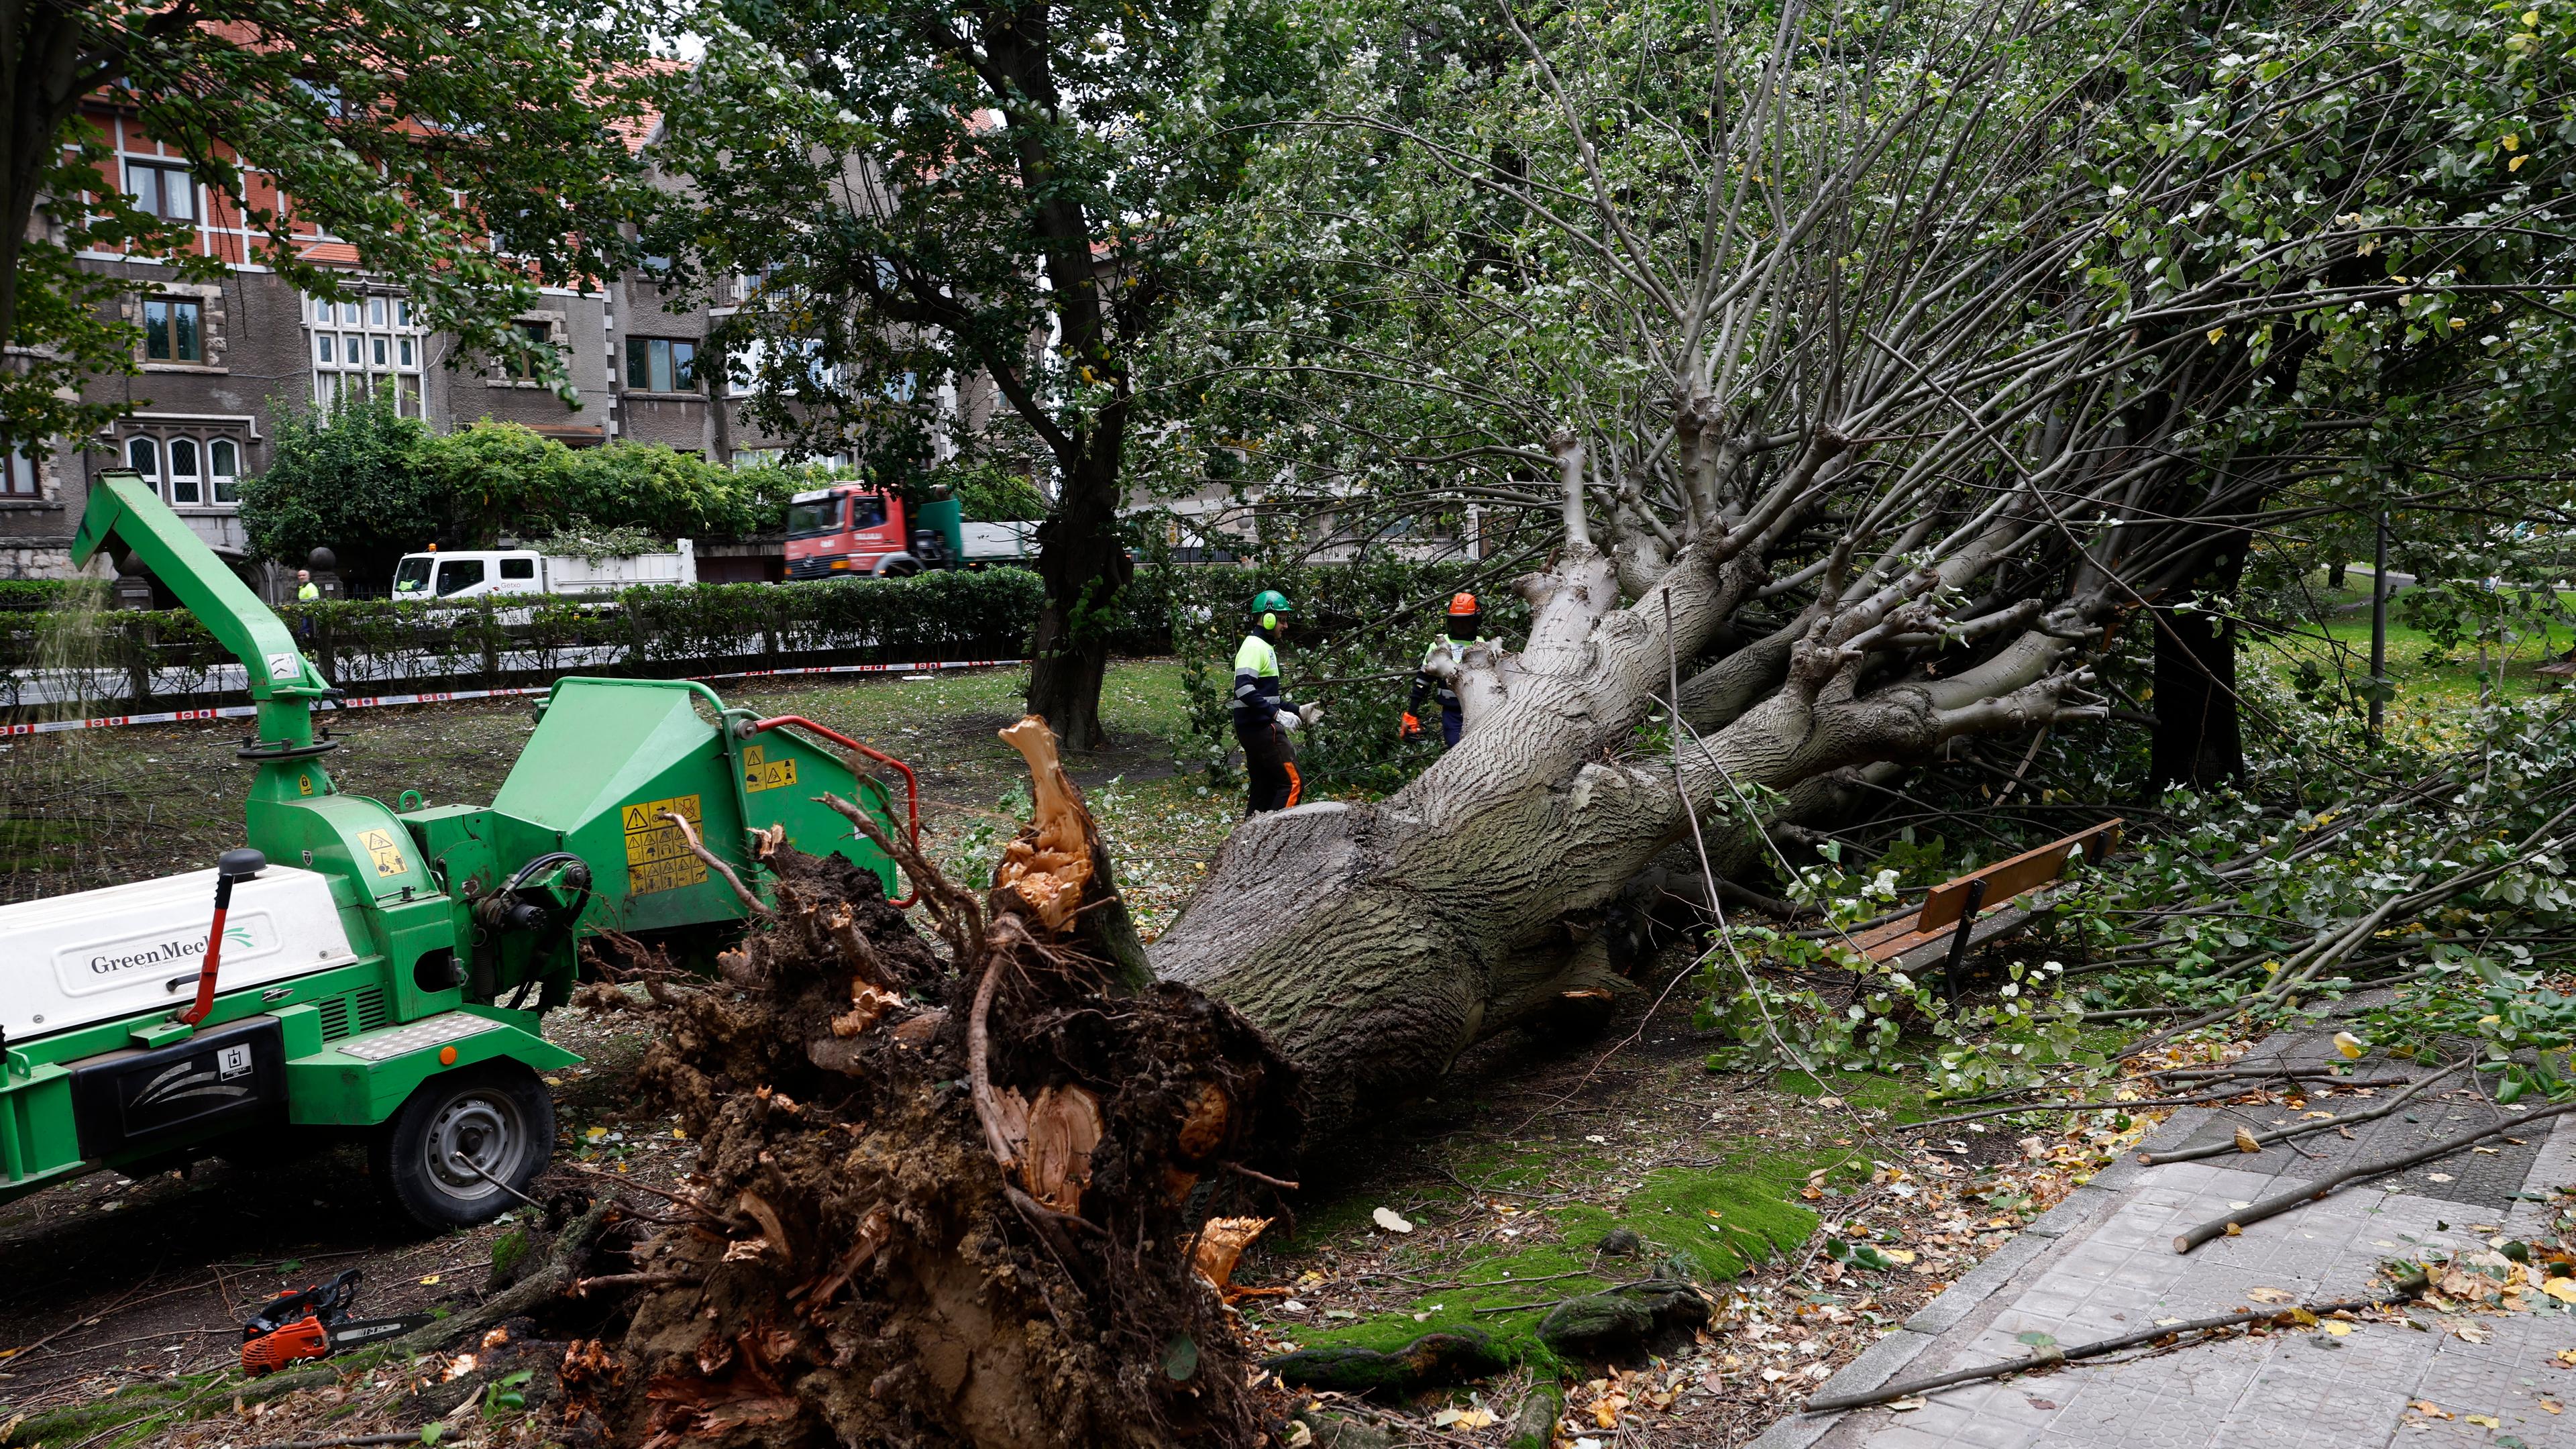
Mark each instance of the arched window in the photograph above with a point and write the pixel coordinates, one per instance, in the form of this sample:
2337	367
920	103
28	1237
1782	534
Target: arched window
144	457
185	484
223	464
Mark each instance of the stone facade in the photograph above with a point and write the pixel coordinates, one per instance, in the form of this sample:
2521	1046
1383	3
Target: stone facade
222	362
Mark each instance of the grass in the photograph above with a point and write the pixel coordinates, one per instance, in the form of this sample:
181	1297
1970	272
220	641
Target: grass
2433	687
90	808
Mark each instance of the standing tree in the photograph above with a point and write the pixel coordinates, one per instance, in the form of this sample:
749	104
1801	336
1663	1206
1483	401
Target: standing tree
473	151
1891	368
917	196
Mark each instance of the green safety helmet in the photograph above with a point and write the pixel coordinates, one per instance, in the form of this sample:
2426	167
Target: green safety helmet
1267	606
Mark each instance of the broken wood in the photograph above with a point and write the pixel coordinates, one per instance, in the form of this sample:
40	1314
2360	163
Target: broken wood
2300	1129
2199	1101
689	833
2280	1203
2052	1357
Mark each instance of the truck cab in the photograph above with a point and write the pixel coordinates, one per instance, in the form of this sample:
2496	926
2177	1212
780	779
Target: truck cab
854	530
468	574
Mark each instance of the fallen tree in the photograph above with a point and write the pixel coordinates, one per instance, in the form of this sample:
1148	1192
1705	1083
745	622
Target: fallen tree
1936	377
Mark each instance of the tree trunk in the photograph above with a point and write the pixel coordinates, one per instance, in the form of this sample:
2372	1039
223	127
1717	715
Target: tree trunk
1085	565
2196	741
1376	942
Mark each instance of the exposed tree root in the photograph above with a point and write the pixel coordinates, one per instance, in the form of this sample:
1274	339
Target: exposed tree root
943	1205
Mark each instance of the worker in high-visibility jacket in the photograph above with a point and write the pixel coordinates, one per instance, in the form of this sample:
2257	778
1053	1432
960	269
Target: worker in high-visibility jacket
1263	718
1466	625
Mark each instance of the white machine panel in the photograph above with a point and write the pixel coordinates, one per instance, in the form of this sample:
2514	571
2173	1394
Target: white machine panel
72	960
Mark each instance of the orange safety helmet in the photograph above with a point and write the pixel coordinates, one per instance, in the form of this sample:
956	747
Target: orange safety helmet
1461	604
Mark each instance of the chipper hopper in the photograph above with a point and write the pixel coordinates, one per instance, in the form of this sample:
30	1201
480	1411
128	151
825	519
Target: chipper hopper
362	970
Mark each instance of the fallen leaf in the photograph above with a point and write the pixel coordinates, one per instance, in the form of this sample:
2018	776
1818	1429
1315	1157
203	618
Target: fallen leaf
2352	1047
1907	1405
2483	1421
1463	1419
2271	1295
432	1278
2245	1141
2428	1408
2437	1176
2553	1406
2040	1403
1897	1255
1391	1220
2562	1289
2337	1329
2564	1358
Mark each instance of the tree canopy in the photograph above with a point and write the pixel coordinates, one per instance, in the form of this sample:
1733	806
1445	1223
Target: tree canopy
923	195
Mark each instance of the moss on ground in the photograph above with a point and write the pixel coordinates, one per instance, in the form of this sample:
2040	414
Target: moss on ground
1719	1221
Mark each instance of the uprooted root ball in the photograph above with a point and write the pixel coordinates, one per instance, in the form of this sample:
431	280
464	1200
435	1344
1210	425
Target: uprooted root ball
865	1272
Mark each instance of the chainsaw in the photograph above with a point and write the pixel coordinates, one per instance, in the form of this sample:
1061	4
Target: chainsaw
315	1323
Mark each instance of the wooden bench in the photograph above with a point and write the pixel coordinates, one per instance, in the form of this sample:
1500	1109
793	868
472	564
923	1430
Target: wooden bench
1955	918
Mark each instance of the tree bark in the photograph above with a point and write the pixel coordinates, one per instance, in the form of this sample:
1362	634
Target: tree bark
2197	740
1085	565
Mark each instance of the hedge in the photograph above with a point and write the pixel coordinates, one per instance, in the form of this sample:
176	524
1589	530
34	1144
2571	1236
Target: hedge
1354	637
66	661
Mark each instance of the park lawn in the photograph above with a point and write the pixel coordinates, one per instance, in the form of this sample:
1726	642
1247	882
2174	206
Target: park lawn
2435	690
91	808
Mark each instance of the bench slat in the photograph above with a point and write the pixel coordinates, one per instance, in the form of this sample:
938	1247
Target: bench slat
2006	879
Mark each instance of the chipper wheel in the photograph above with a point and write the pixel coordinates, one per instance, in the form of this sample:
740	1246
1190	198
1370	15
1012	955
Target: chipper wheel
496	1117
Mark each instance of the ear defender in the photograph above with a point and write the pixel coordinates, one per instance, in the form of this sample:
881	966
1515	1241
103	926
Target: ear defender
1269	621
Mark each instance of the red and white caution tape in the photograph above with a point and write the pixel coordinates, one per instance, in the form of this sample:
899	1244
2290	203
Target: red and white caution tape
376	701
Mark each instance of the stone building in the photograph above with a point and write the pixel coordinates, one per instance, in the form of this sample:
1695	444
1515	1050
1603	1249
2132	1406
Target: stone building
221	362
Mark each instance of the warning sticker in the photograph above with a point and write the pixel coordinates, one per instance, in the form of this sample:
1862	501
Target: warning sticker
657	854
384	851
759	772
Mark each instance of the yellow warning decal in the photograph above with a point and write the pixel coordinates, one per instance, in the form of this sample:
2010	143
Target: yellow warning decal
657	854
759	772
382	848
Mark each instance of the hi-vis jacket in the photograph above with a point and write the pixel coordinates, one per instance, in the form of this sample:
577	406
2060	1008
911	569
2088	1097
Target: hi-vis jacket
1256	684
1427	683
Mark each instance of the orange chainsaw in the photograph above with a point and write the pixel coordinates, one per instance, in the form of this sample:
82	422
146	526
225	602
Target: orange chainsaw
315	1323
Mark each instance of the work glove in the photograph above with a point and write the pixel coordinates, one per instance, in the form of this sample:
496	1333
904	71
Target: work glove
1287	721
1411	728
1310	713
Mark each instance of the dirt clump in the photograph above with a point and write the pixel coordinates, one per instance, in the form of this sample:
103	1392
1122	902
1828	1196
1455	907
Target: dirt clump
939	1200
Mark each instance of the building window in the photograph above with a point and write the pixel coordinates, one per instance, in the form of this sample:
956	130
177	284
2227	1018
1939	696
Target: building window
223	469
541	336
168	192
366	345
187	485
659	364
144	456
188	470
25	475
173	330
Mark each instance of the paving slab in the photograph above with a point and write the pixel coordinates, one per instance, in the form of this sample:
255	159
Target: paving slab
2102	1264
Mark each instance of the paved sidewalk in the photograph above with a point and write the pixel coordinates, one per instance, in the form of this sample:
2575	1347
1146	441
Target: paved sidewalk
2102	1264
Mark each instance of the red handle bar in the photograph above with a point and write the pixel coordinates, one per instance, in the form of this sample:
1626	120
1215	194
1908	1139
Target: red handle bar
911	785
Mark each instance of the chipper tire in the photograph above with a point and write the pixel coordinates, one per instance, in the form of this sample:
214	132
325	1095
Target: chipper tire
496	1115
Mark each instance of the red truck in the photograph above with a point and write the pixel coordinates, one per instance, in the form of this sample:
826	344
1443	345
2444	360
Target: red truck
851	530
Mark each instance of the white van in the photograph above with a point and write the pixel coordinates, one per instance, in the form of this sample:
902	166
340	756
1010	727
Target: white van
468	573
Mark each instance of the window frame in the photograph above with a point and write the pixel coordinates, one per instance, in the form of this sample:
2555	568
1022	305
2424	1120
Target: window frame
164	331
193	480
162	174
540	330
665	364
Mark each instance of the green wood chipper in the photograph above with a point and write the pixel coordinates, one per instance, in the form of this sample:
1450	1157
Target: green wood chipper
362	970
